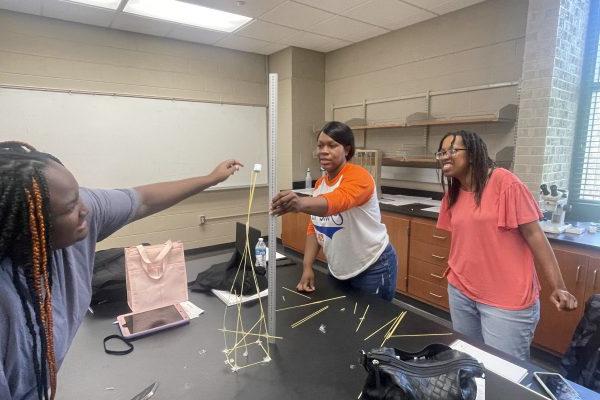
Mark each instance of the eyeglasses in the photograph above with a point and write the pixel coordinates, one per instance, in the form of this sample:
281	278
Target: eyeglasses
451	152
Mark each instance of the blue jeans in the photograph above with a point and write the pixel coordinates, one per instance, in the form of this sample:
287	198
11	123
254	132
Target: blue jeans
510	331
380	277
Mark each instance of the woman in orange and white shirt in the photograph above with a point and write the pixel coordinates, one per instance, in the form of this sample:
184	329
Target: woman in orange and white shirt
345	219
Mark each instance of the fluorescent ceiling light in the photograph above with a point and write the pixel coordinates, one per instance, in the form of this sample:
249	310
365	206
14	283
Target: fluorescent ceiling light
112	4
187	14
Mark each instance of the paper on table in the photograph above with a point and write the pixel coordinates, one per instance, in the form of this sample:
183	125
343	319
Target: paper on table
230	299
278	255
401	197
496	364
435	209
401	200
480	382
192	310
398	202
431	202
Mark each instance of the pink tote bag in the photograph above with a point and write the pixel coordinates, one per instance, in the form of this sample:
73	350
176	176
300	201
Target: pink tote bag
155	275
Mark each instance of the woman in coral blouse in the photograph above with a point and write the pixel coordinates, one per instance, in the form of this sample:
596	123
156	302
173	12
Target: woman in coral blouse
493	287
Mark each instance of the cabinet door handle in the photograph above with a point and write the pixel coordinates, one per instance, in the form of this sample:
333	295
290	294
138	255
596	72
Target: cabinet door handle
594	281
577	275
436	276
438	257
439	237
435	295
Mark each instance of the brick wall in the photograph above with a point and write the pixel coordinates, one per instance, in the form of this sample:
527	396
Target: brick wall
554	43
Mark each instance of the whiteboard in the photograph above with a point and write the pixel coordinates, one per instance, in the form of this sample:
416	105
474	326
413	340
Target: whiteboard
118	142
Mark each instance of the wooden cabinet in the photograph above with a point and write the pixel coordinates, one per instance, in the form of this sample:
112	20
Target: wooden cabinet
428	260
293	233
593	280
555	329
398	228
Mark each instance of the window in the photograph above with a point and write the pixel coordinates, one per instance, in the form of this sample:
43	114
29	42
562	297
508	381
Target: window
585	171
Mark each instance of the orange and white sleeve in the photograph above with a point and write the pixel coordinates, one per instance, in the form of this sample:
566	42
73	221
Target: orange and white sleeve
310	229
356	188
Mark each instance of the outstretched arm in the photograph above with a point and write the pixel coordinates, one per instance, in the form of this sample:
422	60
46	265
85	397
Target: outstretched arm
159	196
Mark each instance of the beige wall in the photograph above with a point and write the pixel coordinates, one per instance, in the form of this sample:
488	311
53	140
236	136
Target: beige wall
308	93
478	45
281	64
36	51
301	98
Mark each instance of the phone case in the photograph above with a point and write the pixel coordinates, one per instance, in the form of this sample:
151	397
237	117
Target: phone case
572	396
125	332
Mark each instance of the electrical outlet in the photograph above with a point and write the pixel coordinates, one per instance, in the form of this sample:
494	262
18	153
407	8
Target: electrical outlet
201	219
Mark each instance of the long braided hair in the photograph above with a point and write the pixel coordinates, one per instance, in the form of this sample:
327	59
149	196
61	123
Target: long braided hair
25	238
480	163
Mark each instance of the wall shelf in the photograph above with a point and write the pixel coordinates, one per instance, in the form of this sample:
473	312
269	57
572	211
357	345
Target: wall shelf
507	114
379	126
409	162
504	113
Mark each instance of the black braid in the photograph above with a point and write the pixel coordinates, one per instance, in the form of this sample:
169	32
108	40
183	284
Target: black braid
480	163
15	234
22	291
35	302
20	165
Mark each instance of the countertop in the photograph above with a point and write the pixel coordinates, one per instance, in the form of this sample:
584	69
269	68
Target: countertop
586	239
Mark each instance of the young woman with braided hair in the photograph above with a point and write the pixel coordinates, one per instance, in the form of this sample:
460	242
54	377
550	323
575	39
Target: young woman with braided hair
48	230
493	287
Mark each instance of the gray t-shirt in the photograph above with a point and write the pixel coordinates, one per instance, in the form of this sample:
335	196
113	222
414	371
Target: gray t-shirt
71	293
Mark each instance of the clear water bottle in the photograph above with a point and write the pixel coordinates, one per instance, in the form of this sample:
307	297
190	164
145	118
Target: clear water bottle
308	180
261	253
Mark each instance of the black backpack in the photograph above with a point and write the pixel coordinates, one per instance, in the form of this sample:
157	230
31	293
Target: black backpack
108	280
581	363
221	277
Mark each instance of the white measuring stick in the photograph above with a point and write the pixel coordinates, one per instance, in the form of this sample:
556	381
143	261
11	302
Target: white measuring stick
272	192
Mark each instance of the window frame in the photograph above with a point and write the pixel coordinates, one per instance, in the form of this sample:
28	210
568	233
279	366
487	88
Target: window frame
588	210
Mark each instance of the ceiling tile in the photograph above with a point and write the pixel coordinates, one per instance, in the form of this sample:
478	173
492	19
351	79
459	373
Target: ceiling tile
242	43
334	6
296	15
427	4
135	23
347	29
197	35
262	30
77	13
251	8
272	48
315	42
449	6
390	14
24	6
